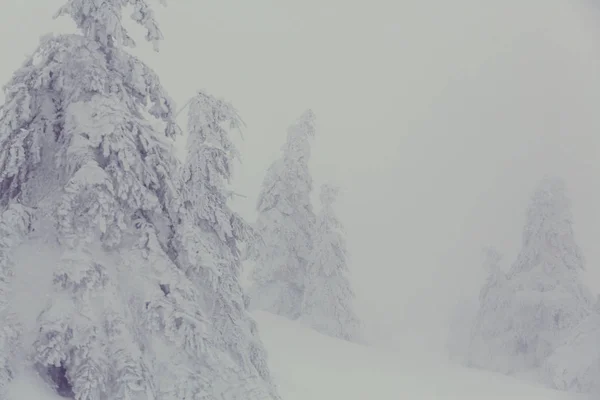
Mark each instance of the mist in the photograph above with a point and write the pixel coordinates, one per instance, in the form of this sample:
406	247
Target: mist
437	120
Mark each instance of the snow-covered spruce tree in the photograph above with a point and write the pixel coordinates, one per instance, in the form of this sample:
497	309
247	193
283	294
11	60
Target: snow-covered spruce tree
328	299
543	298
286	224
208	238
550	294
82	148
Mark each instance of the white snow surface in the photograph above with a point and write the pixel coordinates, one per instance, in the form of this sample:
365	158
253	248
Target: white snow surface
307	365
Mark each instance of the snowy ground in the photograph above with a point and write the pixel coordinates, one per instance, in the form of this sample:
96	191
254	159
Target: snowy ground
309	366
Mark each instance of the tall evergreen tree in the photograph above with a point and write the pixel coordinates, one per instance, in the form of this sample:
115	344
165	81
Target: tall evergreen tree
542	298
209	241
81	148
328	298
286	223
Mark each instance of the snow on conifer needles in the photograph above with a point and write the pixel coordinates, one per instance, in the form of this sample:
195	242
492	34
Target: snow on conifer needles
129	317
209	239
14	225
285	222
143	266
101	21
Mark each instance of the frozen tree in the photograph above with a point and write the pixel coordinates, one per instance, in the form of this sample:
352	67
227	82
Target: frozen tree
286	224
549	289
542	299
85	135
70	70
209	240
328	297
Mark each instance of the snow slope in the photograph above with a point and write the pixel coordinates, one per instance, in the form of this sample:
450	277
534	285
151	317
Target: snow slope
310	366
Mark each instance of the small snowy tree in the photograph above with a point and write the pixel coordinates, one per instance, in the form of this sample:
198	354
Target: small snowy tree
550	293
286	224
328	297
542	299
209	239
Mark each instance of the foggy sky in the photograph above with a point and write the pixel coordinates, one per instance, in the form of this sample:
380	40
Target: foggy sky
436	118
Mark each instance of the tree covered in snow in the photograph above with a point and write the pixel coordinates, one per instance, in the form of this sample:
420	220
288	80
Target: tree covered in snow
328	297
537	305
286	224
209	240
85	132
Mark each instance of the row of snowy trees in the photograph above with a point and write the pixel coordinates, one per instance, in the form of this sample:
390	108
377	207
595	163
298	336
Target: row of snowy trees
146	300
301	262
539	319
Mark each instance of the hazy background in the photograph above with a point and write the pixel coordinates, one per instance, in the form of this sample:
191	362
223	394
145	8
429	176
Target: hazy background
436	118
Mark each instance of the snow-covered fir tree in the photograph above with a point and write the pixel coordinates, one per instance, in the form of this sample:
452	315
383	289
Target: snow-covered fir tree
532	311
286	225
209	241
85	132
328	298
550	293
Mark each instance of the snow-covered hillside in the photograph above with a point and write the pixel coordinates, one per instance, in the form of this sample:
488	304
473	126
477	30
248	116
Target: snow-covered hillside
310	366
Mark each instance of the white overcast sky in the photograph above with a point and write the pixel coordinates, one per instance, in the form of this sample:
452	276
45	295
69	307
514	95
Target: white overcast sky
436	118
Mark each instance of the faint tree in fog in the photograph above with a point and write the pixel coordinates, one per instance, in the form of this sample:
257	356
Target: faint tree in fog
526	315
286	224
328	298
